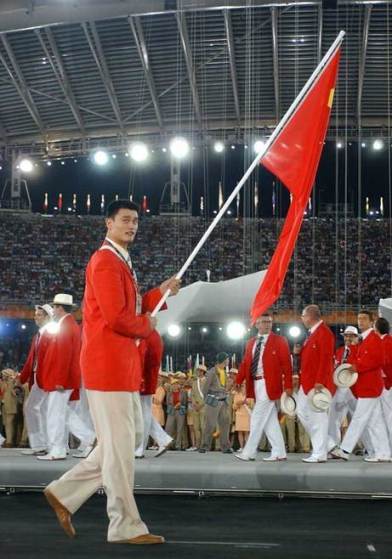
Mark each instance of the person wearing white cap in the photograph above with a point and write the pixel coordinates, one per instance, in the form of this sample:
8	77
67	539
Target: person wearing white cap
368	363
63	376
343	400
35	406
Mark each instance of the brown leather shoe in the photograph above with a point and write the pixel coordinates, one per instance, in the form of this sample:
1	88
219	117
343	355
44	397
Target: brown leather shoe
144	539
63	514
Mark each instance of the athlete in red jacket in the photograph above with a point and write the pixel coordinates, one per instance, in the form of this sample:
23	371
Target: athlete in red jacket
266	368
115	318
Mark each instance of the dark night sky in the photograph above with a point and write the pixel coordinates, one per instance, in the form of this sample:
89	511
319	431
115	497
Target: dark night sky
202	172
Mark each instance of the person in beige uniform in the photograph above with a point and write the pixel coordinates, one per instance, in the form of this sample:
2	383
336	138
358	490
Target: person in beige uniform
216	400
176	403
9	407
198	406
242	412
158	399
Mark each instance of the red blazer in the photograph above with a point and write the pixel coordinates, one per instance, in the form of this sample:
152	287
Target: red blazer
27	374
317	359
387	368
61	363
110	359
276	364
369	362
151	351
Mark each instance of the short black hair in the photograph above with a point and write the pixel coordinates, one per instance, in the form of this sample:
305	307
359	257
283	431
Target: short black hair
382	325
368	313
116	205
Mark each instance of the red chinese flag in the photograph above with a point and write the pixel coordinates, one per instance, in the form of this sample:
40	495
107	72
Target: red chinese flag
294	157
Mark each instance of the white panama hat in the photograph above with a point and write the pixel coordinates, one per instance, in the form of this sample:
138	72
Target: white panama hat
342	376
320	400
63	299
288	404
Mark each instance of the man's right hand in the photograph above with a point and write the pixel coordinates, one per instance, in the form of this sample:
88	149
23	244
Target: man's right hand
153	320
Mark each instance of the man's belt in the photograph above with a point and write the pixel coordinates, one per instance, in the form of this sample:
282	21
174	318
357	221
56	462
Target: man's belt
259	377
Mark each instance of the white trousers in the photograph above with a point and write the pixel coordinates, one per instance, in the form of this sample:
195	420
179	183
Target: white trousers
315	424
386	406
78	426
151	427
343	402
116	417
35	418
264	418
368	415
56	422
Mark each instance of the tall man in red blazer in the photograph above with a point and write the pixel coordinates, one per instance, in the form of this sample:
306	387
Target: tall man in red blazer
368	363
35	406
62	376
115	318
316	370
267	370
151	351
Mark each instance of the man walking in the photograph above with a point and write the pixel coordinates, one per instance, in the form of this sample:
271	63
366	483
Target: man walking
115	317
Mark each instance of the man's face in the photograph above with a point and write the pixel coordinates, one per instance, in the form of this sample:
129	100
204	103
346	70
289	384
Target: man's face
123	227
264	325
364	322
58	311
350	339
200	373
40	317
307	319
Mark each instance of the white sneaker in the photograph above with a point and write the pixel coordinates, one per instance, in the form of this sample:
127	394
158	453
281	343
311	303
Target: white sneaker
51	457
375	460
239	450
275	459
339	453
243	457
83	452
313	460
163	449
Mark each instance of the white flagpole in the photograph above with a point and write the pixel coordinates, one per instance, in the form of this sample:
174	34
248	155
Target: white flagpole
255	162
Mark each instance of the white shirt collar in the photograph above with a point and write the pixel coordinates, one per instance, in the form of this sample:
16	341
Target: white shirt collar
365	334
42	329
264	336
315	326
124	253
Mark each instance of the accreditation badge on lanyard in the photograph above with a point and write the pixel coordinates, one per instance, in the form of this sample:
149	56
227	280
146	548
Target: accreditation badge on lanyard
109	246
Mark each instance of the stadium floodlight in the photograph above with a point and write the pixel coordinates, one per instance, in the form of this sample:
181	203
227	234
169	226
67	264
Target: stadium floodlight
23	326
49	163
26	165
363	144
139	152
52	327
294	331
378	145
235	330
339	145
173	330
179	147
258	146
219	147
100	157
204	330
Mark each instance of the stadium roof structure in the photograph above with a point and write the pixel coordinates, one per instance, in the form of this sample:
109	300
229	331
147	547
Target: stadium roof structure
75	74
